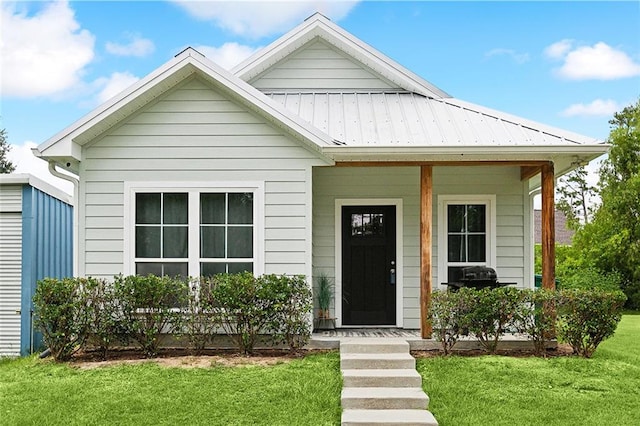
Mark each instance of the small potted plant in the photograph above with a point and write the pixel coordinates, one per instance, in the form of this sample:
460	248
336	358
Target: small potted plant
324	321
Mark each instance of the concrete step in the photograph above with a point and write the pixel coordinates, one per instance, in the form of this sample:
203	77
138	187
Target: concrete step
388	417
369	361
384	398
374	345
390	378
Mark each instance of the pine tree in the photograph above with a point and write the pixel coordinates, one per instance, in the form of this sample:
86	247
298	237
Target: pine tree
6	166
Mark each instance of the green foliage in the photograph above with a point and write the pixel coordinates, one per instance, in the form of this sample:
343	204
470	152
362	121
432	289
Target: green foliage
447	312
535	317
149	307
490	313
62	315
290	324
611	242
325	294
588	316
6	166
576	198
201	318
586	278
105	318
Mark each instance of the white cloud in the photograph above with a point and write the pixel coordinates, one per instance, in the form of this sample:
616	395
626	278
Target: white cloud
114	84
228	55
136	46
597	62
261	18
519	58
25	162
43	54
599	107
559	49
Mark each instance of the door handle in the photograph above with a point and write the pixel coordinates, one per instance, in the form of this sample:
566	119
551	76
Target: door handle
392	273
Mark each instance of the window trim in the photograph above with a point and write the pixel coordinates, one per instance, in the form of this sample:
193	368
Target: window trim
132	188
489	200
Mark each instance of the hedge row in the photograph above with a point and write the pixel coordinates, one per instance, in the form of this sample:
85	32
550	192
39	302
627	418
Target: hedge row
80	313
581	317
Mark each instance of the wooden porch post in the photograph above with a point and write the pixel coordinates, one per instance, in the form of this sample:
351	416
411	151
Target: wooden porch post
426	219
548	228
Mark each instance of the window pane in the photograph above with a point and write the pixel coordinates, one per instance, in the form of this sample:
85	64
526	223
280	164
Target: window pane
175	242
211	269
148	241
241	208
476	218
212	207
455	218
234	268
147	208
149	268
176	210
477	248
240	243
454	274
212	241
176	269
456	248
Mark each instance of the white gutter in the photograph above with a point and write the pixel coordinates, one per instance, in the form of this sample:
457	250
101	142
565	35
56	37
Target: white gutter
76	214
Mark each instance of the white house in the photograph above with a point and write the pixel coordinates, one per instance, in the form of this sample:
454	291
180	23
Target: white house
318	154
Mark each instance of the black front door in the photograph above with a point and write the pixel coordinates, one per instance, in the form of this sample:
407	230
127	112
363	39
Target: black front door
369	265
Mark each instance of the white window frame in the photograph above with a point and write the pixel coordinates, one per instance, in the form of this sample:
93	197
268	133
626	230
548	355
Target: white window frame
194	189
489	200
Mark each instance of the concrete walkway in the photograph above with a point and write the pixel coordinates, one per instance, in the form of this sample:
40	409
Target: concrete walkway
380	384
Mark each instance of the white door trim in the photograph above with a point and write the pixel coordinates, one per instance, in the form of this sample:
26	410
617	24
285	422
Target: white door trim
397	202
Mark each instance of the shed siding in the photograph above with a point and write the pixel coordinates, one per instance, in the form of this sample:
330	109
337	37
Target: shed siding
195	134
47	251
330	184
320	66
10	269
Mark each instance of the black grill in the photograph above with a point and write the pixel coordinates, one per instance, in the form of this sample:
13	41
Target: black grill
477	277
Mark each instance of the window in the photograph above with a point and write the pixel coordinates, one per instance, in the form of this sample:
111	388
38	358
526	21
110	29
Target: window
466	234
194	231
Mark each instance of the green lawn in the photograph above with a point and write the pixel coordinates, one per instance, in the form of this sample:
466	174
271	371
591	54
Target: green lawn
302	392
495	390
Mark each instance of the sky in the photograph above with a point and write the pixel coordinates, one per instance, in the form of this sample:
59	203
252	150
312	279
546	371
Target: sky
567	64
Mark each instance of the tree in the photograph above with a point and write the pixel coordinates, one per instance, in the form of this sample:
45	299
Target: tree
611	242
6	166
576	198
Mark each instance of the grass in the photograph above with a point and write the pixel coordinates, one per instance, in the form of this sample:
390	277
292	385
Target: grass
534	391
301	392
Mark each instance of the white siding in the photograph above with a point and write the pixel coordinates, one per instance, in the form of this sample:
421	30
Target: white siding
194	134
10	269
404	183
320	66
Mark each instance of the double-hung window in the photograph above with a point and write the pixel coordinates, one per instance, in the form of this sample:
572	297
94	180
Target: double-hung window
466	234
195	231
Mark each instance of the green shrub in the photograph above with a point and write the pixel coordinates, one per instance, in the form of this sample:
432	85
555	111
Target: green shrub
632	290
293	309
587	278
447	313
588	316
62	315
201	319
536	317
105	318
246	307
490	313
150	308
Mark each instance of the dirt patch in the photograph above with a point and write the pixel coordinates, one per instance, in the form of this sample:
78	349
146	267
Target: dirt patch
560	351
181	358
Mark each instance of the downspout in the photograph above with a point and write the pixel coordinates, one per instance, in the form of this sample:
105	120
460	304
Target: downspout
76	214
532	248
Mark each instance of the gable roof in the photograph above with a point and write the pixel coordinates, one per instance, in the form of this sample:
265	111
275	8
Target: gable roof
65	147
319	26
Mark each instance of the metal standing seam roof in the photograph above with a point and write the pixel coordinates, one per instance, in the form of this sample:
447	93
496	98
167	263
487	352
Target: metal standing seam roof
410	119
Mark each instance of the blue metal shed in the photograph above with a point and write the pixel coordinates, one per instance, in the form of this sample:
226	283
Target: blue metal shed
36	241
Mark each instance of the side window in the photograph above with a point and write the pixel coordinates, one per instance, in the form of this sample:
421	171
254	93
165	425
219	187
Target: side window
162	234
466	237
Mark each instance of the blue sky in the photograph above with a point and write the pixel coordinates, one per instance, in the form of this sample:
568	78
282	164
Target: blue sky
566	64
